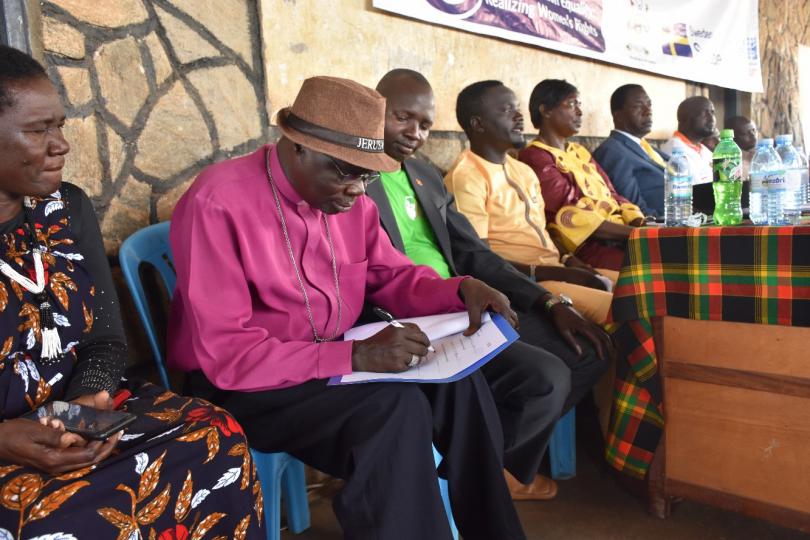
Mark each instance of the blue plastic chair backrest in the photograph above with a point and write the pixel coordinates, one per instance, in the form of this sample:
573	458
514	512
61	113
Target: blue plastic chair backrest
149	245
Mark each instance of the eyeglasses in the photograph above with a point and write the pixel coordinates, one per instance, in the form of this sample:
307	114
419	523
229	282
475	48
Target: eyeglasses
366	178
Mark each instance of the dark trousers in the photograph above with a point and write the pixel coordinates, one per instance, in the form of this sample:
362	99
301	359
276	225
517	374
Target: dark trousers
530	387
586	370
534	382
377	437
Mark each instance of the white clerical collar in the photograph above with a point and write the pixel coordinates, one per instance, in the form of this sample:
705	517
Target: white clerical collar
631	137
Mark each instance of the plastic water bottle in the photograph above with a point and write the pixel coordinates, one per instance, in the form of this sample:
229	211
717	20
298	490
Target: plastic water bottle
727	184
677	189
768	179
766	170
805	176
792	193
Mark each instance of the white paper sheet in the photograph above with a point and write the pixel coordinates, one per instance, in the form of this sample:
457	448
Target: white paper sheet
455	354
434	326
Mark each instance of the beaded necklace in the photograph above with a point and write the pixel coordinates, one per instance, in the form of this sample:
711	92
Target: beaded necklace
51	343
315	335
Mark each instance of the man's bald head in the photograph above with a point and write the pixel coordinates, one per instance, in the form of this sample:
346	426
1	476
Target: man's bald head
691	107
696	118
409	111
401	79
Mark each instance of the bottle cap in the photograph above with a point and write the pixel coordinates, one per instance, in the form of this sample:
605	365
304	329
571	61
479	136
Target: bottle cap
785	138
764	142
677	151
727	134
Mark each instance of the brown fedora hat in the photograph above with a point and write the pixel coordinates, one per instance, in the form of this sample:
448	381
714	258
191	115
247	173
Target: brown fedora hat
341	118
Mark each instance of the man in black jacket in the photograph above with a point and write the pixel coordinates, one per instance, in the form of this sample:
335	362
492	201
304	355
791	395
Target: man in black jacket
560	355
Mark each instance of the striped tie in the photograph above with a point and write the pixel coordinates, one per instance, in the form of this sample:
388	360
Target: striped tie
652	153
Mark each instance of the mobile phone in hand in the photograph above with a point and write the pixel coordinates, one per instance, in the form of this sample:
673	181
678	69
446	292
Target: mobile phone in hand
89	422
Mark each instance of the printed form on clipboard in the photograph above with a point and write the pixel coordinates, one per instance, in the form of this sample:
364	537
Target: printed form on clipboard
456	355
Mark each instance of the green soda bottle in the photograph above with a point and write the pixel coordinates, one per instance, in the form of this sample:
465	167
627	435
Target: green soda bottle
727	185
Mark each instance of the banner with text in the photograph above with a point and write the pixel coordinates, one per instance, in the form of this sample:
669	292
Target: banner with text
709	41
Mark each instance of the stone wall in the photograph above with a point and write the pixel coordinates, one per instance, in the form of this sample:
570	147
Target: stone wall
783	26
155	90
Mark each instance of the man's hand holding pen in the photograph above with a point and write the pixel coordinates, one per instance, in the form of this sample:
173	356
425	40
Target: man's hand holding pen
391	350
401	346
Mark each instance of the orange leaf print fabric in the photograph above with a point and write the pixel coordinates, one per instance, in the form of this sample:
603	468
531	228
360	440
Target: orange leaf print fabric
60	283
53	501
150	477
6	350
206	524
7	469
182	506
241	529
121	521
191	478
3	297
149	513
21	491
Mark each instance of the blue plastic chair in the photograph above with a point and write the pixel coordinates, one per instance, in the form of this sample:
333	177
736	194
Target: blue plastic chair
277	471
437	457
562	448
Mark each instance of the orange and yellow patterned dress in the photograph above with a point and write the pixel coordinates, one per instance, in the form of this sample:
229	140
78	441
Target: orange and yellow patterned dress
579	197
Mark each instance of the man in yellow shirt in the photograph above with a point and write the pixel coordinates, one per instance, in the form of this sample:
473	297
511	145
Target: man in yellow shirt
501	198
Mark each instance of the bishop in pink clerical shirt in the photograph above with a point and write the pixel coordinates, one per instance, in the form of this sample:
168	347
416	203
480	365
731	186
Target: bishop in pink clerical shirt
276	253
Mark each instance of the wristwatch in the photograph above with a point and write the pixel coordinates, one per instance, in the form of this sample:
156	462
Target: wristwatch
559	299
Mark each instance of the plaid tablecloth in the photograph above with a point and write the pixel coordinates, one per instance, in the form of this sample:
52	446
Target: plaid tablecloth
742	274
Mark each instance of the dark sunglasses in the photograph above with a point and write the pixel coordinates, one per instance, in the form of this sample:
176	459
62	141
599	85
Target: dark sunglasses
366	178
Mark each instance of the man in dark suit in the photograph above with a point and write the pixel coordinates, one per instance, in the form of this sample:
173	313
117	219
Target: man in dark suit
560	355
635	168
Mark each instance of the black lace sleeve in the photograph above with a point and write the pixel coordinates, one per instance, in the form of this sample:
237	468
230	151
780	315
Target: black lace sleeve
102	354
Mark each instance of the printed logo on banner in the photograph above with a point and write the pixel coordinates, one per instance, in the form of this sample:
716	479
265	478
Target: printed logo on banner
573	22
677	42
458	8
752	47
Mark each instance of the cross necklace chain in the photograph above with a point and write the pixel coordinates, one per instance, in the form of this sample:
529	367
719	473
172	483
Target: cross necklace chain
315	335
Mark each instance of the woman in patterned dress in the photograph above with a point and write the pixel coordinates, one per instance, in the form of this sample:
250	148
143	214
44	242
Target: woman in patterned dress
183	468
585	213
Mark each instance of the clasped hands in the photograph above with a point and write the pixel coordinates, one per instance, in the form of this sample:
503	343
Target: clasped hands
391	349
45	445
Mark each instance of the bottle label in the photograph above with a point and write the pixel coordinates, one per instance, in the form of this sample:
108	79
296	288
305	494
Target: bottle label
727	169
680	187
771	180
793	179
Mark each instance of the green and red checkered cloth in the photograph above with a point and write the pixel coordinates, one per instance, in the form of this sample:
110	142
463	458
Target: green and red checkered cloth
742	274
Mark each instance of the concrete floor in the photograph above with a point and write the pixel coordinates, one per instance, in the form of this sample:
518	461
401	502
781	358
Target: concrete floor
594	506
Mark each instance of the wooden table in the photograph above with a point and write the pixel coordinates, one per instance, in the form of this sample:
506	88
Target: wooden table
737	409
713	380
